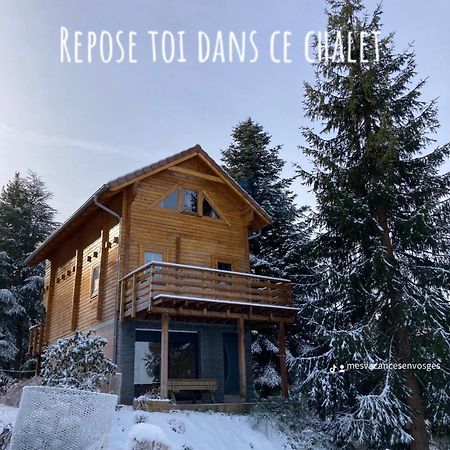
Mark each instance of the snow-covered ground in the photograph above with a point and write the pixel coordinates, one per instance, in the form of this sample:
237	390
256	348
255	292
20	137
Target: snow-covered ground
188	430
7	415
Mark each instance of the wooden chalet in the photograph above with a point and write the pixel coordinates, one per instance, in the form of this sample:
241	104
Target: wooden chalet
157	261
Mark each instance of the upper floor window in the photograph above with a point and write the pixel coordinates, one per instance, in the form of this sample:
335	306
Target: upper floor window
153	256
225	266
95	280
208	210
189	201
171	201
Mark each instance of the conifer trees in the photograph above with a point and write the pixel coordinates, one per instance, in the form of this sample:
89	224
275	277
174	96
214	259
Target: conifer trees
257	167
26	219
380	288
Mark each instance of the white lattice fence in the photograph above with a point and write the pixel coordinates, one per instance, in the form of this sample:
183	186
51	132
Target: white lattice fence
57	418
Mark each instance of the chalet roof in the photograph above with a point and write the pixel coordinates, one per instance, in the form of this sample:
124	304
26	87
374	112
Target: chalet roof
116	185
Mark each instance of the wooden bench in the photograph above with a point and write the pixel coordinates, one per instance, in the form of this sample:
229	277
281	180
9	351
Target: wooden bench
194	385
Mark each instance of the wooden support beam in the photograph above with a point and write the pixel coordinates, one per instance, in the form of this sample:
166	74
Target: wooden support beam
242	368
178	250
41	337
164	376
36	341
197	174
51	295
122	300
76	288
150	288
134	296
134	191
124	234
282	351
102	276
158	309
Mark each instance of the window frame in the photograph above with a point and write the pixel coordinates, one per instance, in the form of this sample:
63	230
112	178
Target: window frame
94	293
152	248
181	201
225	262
201	196
212	206
145	247
173	191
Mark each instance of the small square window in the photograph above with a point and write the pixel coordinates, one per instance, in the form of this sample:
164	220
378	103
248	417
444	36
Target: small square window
190	201
222	278
224	266
95	280
155	257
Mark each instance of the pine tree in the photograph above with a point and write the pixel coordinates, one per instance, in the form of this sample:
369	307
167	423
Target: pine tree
257	167
9	308
380	291
26	219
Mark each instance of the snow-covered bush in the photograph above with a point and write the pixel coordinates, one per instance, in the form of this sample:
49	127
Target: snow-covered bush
5	383
142	417
300	427
77	362
144	436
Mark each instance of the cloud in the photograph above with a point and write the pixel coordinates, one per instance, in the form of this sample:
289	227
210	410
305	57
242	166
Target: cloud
9	134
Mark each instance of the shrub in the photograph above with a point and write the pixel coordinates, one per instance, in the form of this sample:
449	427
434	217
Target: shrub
77	362
5	383
301	429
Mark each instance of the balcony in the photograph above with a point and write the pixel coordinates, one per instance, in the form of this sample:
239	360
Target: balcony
199	292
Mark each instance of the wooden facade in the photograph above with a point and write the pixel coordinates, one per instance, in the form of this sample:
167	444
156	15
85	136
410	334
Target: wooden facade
98	274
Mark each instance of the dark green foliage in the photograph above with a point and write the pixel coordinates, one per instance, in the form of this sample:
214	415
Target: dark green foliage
380	288
300	427
257	167
26	219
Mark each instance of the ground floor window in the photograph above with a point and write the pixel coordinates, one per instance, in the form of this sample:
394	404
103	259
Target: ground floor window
183	358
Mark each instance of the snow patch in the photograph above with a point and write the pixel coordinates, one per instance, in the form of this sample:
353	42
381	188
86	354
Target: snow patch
145	433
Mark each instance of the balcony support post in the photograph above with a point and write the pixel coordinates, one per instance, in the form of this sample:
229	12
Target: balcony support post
242	368
164	376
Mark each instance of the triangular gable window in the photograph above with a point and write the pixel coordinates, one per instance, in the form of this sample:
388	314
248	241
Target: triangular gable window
171	201
208	210
189	201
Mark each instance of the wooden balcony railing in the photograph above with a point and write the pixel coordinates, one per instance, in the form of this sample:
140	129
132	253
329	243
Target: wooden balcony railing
36	340
201	288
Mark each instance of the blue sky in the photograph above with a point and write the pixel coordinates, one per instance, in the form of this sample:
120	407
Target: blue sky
79	126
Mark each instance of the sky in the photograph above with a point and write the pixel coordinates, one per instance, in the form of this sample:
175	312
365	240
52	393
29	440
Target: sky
80	125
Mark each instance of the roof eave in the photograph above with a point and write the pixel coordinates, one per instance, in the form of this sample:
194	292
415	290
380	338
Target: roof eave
119	183
34	258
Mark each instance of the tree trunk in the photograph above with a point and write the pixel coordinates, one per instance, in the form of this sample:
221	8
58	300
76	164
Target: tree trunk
418	429
19	344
